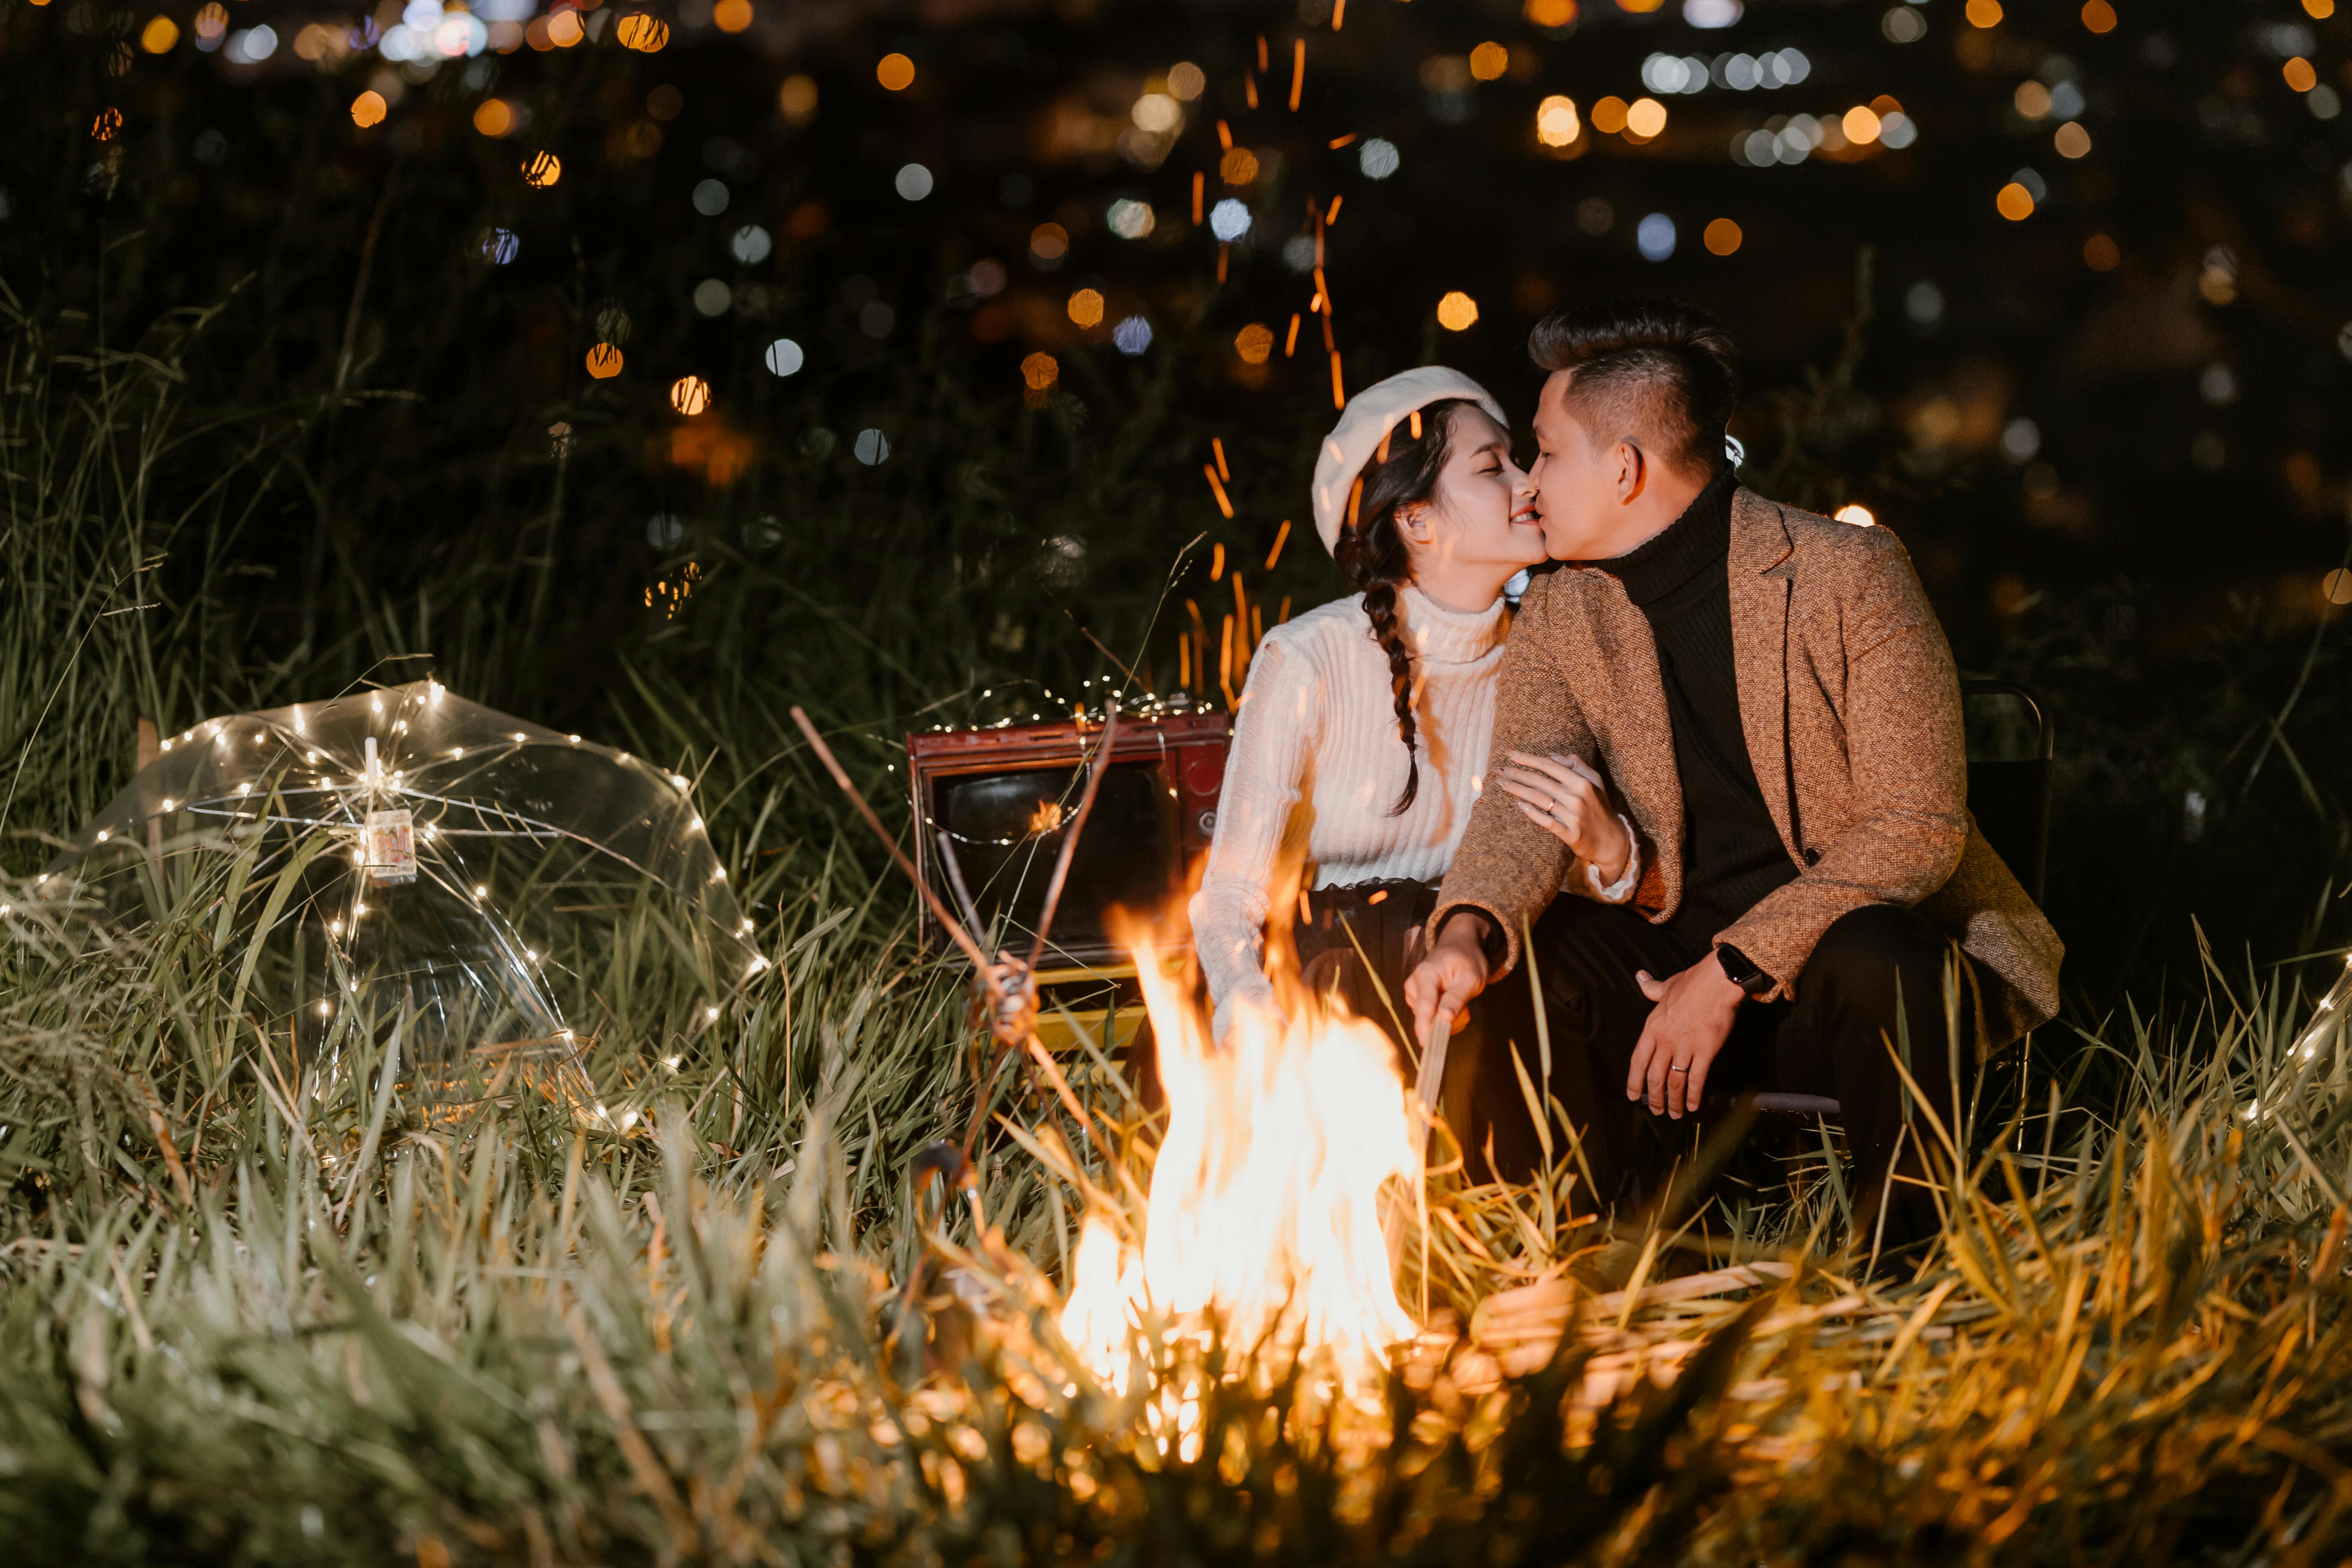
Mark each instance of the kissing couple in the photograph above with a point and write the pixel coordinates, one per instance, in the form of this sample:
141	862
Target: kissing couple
1706	787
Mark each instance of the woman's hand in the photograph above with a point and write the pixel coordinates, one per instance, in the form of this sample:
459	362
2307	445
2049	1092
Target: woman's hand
1569	801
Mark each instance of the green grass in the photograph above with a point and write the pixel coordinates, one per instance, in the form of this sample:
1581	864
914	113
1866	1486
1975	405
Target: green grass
257	1308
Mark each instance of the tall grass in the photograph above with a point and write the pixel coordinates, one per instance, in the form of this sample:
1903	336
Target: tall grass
259	1307
232	1330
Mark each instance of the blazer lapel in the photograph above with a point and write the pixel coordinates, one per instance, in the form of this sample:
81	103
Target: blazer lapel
1758	565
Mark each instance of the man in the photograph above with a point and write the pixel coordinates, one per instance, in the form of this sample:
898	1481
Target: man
1732	728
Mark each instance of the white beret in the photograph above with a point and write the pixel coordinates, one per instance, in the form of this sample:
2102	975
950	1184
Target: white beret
1366	422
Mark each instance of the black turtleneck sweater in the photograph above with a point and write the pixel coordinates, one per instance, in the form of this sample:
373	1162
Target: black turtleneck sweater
1679	579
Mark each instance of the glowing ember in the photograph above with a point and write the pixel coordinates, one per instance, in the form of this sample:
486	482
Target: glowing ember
1263	1211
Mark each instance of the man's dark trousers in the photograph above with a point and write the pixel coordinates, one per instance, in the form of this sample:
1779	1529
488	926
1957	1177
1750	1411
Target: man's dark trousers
1833	1038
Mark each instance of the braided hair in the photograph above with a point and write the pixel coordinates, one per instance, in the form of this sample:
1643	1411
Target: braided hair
1371	551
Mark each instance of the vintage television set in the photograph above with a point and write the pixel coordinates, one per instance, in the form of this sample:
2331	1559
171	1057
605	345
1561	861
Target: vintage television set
1003	798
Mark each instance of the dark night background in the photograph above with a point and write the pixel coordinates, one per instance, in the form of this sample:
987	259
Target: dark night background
2111	432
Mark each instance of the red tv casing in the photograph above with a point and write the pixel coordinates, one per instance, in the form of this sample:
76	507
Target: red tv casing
1189	747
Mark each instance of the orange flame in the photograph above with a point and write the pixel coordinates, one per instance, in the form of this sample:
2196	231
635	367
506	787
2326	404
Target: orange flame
1263	1214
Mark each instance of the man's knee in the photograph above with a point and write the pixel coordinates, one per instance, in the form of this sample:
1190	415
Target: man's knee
1871	954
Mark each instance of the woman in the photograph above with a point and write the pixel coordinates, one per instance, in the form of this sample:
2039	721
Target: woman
1360	740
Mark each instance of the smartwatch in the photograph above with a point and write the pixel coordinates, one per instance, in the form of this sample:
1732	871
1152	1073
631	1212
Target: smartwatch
1741	971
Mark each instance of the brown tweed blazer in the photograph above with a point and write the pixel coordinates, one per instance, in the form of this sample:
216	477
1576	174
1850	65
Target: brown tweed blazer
1851	709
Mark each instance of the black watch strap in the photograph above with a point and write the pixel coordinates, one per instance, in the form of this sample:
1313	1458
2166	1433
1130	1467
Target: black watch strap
1741	971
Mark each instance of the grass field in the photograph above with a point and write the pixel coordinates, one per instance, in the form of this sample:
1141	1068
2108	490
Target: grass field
263	1308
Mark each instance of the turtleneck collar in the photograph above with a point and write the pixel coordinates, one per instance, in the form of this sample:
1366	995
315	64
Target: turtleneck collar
1679	551
1439	636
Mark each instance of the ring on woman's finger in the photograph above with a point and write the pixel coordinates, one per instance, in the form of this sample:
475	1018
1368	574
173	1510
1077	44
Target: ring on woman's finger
1677	1068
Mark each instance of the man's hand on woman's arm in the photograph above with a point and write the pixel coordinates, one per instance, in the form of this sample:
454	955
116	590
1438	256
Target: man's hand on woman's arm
1442	986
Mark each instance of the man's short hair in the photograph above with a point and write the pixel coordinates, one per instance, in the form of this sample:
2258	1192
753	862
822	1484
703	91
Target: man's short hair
1661	375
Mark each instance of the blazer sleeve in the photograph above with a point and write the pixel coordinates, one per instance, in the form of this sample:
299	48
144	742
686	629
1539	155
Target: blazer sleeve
1507	866
1274	731
1908	761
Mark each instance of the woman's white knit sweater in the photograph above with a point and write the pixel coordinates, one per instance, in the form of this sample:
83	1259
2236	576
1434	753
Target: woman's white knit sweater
1317	763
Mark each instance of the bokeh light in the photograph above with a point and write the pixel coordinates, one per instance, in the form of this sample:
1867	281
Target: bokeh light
1722	236
2299	74
1646	118
1609	115
689	395
604	362
369	108
541	170
1049	242
159	35
896	72
1551	12
2014	203
1130	219
1156	112
1254	343
2336	587
750	245
2072	140
1238	166
1857	513
872	447
797	99
251	45
732	15
1186	80
106	126
712	297
1132	336
1229	220
499	246
563	29
784	357
1983	13
492	117
1378	159
1085	308
2101	254
1456	312
913	182
1654	236
1861	125
1556	121
2098	16
642	31
1040	370
710	197
1488	61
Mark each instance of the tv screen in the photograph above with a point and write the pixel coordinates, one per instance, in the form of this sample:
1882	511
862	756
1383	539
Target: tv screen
1008	828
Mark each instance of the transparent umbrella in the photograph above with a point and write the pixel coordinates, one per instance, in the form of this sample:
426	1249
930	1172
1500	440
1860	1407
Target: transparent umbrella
417	861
